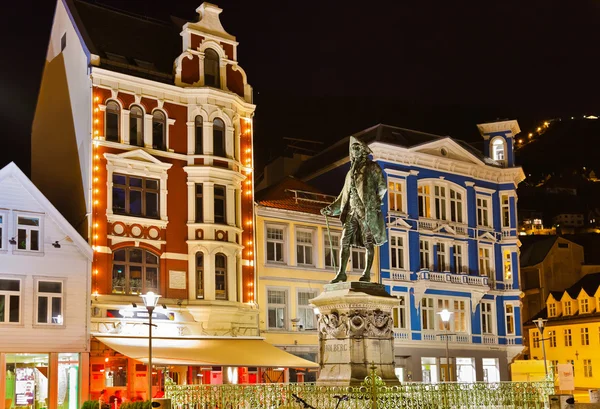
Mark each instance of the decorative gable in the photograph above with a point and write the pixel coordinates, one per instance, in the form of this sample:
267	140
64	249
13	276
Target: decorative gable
448	149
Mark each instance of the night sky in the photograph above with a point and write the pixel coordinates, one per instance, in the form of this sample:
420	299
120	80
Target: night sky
323	70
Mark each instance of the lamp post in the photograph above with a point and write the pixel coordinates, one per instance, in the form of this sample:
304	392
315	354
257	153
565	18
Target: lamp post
150	301
540	323
445	316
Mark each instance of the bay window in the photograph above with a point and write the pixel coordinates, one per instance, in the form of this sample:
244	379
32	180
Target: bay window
447	199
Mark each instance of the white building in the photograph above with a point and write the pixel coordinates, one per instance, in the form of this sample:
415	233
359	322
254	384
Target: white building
44	297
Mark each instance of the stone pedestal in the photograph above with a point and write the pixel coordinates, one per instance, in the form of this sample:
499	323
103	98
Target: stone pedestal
355	332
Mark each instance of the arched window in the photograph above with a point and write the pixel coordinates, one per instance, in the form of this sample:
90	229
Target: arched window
199	275
212	75
220	276
135	271
136	126
111	121
498	151
198	150
159	127
219	137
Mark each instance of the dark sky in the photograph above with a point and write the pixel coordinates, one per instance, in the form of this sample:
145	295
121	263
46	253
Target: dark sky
322	70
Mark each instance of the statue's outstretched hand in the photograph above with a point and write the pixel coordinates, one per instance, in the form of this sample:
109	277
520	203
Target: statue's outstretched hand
326	211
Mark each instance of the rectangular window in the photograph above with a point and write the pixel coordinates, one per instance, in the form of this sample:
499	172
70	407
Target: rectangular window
199	203
536	339
439	194
552	339
552	310
275	244
10	301
306	314
487	316
28	233
510	319
424	193
2	230
485	261
424	254
584	306
442	257
568	338
585	336
359	258
397	251
395	191
332	250
460	316
456	212
220	207
304	247
427	314
49	300
483	211
505	211
567	307
399	314
276	309
459	268
587	368
508	269
135	196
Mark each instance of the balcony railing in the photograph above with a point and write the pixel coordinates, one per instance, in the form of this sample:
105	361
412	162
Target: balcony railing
479	281
400	275
401	334
489	339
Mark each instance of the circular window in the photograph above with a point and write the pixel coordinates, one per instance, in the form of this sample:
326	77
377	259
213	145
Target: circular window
444	152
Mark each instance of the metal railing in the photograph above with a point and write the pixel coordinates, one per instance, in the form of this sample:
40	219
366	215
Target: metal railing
373	394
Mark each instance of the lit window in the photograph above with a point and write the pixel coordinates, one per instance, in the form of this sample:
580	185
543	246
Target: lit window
49	300
275	244
199	275
508	269
306	313
552	339
505	211
10	300
424	254
587	368
487	323
395	191
220	276
510	319
485	261
28	233
111	121
135	196
585	336
304	247
427	314
212	75
135	271
397	251
584	306
399	314
568	338
552	310
536	339
483	211
332	250
198	135
567	308
219	137
424	201
276	309
136	126
159	130
498	149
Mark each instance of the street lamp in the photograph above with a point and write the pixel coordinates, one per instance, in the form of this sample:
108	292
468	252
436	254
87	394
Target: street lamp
540	323
445	316
150	301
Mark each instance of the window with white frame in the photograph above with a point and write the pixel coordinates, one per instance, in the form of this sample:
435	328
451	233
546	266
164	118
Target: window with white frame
498	149
484	213
459	267
10	300
508	265
552	310
584	307
395	195
567	308
424	254
276	309
135	196
585	336
49	302
332	249
536	339
443	304
3	223
399	313
424	193
427	314
456	206
397	251
275	244
304	247
447	201
29	233
568	338
587	368
505	203
460	316
439	200
442	257
485	261
510	319
306	313
111	121
552	339
359	258
487	318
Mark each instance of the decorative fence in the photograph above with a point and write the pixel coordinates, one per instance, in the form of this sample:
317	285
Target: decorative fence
372	395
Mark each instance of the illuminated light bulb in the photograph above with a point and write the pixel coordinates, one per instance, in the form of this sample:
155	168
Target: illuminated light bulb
95	179
520	140
95	237
96	168
249	192
249	253
96	132
95	143
248	150
95	271
96	225
546	123
250	294
95	202
96	190
96	99
250	284
249	242
539	128
95	109
96	120
247	182
249	222
97	157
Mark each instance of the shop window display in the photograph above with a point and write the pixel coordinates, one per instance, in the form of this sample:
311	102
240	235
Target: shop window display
115	373
27	381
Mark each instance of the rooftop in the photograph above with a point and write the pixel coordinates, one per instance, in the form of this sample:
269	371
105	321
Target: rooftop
295	195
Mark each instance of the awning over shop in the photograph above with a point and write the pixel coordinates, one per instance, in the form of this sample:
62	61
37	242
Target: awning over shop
206	352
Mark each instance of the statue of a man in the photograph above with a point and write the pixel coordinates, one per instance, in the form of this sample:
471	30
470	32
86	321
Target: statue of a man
359	207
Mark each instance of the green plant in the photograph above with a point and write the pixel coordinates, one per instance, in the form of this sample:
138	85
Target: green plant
90	404
136	405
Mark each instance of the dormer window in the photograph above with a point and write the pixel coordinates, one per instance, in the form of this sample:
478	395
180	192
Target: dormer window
212	77
498	150
584	306
552	310
111	121
159	121
567	307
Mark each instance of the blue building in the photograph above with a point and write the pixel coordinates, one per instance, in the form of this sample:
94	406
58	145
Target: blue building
452	244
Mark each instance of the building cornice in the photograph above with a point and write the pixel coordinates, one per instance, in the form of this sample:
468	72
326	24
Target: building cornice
294	216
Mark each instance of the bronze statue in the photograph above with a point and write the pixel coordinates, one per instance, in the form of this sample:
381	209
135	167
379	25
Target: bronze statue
359	207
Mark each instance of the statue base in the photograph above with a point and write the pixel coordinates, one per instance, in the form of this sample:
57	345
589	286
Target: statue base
355	333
